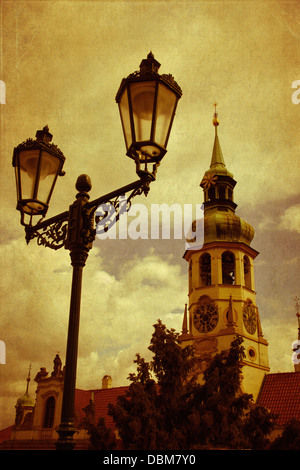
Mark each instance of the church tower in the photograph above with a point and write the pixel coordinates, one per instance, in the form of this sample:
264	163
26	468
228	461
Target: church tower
221	293
25	408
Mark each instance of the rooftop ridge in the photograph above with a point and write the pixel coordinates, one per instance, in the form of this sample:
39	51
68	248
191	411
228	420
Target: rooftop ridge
100	389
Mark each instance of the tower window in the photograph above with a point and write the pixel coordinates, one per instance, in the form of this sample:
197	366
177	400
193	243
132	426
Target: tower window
221	192
228	268
211	193
205	269
49	412
230	194
247	272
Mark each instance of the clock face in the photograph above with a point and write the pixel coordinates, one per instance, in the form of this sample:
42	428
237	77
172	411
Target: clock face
249	317
206	316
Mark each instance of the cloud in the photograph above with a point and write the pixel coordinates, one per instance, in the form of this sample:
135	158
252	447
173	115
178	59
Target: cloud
117	313
280	346
290	220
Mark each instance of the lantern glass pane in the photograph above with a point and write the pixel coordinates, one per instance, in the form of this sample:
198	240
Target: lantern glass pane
142	99
166	101
50	166
125	118
28	160
17	182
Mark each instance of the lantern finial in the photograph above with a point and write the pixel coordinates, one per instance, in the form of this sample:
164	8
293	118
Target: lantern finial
149	65
44	135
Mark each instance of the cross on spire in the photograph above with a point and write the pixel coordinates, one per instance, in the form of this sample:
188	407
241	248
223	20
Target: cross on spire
215	119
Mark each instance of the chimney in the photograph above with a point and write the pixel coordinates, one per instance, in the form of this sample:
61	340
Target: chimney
296	344
296	355
106	382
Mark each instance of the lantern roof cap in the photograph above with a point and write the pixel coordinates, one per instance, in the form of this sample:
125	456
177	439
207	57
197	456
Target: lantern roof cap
42	140
149	71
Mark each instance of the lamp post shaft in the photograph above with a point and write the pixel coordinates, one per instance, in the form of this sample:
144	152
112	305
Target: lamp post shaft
79	243
66	429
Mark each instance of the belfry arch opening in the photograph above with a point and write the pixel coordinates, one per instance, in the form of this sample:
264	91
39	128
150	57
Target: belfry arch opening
211	194
205	269
222	192
228	268
247	273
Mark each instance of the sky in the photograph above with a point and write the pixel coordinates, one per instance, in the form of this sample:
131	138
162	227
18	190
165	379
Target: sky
62	63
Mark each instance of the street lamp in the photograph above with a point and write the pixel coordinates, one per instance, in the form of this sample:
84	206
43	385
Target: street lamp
147	103
37	164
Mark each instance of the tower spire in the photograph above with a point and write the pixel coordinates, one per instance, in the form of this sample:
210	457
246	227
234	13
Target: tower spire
28	379
185	322
217	159
218	183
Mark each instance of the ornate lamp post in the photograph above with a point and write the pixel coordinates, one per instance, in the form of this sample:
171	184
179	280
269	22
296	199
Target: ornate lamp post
147	103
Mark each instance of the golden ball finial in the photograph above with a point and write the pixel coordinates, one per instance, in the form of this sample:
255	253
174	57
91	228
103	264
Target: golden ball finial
215	120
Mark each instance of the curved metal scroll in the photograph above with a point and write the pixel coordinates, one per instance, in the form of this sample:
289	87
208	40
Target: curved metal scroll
53	236
108	213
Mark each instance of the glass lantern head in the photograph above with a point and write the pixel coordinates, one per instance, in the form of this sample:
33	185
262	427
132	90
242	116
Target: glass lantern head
37	165
147	103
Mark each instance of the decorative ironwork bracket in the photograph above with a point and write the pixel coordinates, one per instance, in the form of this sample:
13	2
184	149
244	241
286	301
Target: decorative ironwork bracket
54	232
55	236
115	207
50	233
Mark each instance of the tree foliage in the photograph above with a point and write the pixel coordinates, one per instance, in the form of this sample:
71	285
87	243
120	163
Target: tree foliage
290	437
165	408
101	437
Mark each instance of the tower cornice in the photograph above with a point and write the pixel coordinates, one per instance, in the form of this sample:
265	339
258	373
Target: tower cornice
248	250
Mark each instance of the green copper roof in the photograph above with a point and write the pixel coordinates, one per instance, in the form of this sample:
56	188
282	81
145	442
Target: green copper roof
225	226
217	164
26	399
217	154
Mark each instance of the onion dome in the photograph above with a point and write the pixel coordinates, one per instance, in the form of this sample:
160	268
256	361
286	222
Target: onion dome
26	399
227	226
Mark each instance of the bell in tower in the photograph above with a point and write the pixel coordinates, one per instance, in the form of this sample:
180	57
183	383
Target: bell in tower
222	298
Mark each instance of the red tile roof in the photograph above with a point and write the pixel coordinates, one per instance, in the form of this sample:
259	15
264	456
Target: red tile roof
5	434
280	393
102	398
